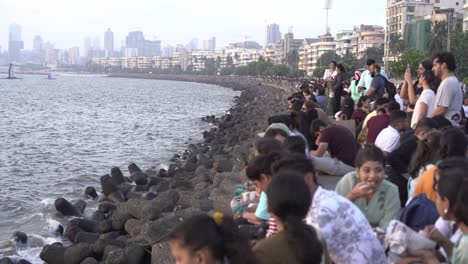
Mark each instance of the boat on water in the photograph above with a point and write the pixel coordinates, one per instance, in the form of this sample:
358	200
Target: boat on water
11	73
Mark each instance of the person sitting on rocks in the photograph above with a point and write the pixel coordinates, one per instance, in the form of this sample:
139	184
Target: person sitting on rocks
339	142
380	103
277	131
210	240
295	145
259	172
361	112
378	123
345	231
366	187
389	138
295	242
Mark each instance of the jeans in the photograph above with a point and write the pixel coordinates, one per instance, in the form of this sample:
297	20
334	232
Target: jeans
331	166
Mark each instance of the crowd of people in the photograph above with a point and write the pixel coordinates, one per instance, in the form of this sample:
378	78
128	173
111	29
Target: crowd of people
402	196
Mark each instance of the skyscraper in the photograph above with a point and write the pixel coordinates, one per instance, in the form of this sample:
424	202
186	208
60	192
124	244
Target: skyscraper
136	41
74	56
37	44
109	42
209	44
15	43
273	34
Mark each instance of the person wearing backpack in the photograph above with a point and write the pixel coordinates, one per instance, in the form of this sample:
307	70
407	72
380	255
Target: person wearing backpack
377	87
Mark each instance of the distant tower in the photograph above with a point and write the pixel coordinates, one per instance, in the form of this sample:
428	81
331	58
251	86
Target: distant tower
273	34
328	4
15	43
37	44
109	42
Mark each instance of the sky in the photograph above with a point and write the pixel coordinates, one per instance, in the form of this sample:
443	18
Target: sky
66	23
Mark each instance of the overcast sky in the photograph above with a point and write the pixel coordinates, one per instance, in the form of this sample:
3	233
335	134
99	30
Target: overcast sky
66	23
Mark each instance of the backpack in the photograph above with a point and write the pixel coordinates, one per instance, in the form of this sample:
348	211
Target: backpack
390	87
419	213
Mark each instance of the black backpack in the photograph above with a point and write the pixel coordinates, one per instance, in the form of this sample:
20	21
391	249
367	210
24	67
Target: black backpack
390	87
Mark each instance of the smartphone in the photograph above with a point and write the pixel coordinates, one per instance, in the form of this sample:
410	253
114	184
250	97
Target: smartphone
407	66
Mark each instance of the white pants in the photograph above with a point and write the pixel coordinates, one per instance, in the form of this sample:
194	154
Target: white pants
331	166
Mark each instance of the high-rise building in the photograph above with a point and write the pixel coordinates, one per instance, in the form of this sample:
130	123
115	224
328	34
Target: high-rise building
135	41
109	42
37	44
168	51
15	43
74	56
343	42
311	52
401	12
209	44
465	17
365	37
273	34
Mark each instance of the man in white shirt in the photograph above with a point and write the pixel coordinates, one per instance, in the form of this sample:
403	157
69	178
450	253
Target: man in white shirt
449	97
330	73
347	234
389	138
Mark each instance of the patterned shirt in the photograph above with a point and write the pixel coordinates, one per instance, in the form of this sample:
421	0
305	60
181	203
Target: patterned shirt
347	234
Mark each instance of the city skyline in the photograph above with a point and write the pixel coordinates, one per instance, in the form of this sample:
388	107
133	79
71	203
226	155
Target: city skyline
67	24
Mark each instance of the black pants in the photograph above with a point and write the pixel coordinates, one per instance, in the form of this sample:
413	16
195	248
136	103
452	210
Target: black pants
336	103
400	181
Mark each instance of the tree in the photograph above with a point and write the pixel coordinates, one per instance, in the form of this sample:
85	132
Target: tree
210	67
218	62
459	48
350	63
318	72
292	59
396	44
412	57
373	53
236	56
328	57
438	37
229	61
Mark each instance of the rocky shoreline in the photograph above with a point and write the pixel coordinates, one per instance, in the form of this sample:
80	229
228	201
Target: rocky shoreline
136	212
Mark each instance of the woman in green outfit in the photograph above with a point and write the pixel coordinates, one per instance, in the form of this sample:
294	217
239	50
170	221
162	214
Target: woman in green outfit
377	198
355	94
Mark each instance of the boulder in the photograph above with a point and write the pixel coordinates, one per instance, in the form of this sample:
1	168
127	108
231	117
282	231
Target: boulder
117	176
66	208
23	261
6	261
161	254
106	207
139	178
223	165
77	253
133	168
89	260
133	254
119	218
80	205
86	237
53	254
91	192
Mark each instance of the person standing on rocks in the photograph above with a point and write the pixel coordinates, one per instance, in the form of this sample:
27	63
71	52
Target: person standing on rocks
210	240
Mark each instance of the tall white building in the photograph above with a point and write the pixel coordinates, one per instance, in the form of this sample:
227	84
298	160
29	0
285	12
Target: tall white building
209	44
109	42
465	17
273	34
74	56
311	52
343	42
365	37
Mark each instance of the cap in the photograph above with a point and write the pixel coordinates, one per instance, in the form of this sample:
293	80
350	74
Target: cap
279	126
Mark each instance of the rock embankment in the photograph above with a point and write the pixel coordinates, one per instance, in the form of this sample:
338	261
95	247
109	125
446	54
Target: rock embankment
137	211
